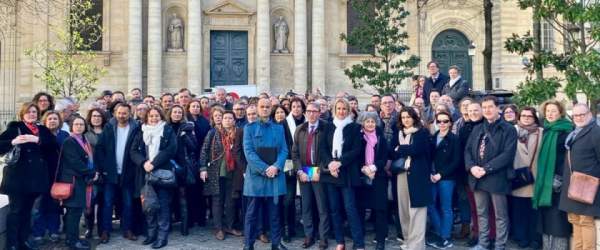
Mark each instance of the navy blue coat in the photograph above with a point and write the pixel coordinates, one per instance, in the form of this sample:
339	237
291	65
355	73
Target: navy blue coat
446	155
419	173
74	169
107	159
439	84
350	157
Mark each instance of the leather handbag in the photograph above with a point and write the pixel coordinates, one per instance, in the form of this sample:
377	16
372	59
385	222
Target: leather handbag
61	191
398	166
582	187
523	175
12	157
162	178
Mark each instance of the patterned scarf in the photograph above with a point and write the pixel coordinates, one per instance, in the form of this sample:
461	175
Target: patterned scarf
228	140
33	127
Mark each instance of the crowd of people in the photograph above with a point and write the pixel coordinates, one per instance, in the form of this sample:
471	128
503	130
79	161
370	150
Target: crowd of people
243	164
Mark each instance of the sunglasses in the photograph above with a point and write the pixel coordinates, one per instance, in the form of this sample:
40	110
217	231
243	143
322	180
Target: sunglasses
443	121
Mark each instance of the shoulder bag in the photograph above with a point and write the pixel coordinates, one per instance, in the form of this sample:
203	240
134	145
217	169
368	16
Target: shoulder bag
582	187
12	157
524	175
61	191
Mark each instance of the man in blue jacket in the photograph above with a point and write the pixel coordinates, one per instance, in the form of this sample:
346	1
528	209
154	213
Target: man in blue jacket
266	151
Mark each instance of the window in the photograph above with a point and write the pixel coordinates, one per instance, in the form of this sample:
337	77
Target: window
353	21
547	36
93	38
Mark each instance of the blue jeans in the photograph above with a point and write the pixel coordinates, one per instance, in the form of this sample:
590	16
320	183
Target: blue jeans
257	205
344	197
159	221
46	216
110	194
441	217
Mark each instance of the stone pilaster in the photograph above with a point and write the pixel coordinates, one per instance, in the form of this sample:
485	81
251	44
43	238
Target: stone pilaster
134	45
300	47
319	51
194	46
155	48
263	46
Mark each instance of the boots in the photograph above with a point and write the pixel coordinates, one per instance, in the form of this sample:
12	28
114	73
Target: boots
465	229
184	213
152	235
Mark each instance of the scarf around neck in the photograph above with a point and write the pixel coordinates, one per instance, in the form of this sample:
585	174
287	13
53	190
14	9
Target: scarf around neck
291	122
152	136
228	140
338	135
453	81
33	127
371	139
404	138
546	163
525	130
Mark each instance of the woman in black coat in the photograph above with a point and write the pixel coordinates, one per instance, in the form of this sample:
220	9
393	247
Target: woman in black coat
340	172
76	166
153	148
446	151
186	158
373	158
195	197
29	177
411	142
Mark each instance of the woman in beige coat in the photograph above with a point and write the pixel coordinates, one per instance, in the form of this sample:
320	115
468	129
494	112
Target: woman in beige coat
523	224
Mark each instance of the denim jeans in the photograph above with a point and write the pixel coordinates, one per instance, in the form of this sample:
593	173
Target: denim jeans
441	217
159	221
255	206
46	216
110	195
344	197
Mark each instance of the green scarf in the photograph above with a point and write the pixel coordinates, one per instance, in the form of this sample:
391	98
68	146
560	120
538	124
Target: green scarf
542	192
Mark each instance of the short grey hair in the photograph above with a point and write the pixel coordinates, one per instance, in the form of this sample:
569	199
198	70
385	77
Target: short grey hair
363	116
62	104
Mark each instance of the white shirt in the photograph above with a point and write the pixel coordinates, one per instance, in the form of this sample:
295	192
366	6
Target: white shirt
122	133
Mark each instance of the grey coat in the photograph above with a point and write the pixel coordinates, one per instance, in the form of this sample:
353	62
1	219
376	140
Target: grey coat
585	158
458	91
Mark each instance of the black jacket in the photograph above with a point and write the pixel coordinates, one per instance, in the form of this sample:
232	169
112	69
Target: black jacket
201	128
187	151
439	84
74	167
107	158
378	199
167	151
585	158
419	173
350	170
30	175
463	137
498	158
446	155
458	91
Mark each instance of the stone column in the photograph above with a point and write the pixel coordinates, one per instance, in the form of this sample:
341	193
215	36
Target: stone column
263	46
155	47
134	45
194	46
319	51
300	47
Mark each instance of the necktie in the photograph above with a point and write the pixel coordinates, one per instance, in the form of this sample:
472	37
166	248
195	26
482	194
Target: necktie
309	143
482	147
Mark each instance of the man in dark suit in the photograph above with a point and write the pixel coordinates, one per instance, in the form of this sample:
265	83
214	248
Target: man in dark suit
436	80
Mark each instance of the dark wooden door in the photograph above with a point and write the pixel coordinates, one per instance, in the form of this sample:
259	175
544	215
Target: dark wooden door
228	58
451	47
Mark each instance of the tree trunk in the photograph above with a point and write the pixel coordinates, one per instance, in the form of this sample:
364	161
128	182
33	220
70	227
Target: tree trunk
487	51
537	44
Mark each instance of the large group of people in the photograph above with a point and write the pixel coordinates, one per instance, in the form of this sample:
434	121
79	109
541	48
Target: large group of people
243	164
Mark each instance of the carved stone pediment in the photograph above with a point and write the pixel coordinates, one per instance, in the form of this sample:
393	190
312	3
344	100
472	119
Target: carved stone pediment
229	8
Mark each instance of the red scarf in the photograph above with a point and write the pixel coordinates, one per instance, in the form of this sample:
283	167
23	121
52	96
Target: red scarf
228	139
34	129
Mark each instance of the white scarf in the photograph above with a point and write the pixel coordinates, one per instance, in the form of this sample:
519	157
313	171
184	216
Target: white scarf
152	136
453	81
292	125
338	135
405	140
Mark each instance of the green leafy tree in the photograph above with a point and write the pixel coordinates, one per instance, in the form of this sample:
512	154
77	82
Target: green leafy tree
578	22
381	34
68	66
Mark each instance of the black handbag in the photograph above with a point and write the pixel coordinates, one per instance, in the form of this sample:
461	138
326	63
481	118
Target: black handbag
149	199
398	166
523	175
12	157
179	170
162	177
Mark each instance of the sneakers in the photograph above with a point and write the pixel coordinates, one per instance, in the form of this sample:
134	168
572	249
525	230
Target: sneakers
443	244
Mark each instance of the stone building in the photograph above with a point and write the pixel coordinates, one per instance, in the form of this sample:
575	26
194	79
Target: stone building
164	45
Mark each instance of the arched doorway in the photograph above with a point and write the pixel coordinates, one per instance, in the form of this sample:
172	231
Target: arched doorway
451	47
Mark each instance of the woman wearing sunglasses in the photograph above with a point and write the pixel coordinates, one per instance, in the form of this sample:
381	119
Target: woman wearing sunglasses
445	148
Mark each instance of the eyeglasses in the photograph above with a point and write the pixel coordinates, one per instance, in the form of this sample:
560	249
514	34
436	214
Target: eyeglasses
312	111
240	109
579	115
527	116
443	121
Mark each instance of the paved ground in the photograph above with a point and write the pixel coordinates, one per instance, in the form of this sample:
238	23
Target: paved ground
203	239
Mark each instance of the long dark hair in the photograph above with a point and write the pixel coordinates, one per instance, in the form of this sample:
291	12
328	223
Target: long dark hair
413	114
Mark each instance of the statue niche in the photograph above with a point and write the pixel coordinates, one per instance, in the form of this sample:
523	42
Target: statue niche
175	39
281	31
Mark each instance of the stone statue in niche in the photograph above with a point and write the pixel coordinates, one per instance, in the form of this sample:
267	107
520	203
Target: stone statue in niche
281	31
175	34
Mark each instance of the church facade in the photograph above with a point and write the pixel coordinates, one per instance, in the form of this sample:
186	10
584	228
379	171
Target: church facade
263	45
